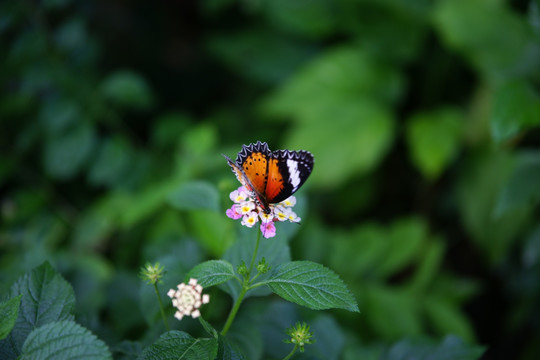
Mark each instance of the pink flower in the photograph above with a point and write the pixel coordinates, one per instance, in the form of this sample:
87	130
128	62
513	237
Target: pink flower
268	229
233	212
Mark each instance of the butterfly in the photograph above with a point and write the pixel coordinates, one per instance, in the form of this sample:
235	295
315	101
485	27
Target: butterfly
271	176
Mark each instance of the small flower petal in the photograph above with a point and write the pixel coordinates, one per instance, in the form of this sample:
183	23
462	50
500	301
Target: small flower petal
246	207
268	229
237	196
281	213
293	217
289	202
250	219
233	212
266	217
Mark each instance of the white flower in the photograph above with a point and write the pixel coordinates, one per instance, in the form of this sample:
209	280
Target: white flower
188	299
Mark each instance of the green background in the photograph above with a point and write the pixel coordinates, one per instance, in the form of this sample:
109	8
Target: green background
422	116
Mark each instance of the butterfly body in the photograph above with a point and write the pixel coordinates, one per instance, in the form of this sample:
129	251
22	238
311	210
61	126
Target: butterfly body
271	176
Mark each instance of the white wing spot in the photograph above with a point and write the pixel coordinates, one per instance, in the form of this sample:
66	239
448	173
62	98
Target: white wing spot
294	174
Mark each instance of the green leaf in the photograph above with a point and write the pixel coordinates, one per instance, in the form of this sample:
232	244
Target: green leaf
46	297
72	39
405	241
309	18
241	51
195	195
340	75
57	115
481	181
147	201
212	272
521	190
64	340
392	312
451	348
429	265
373	250
112	162
212	229
433	139
128	349
357	252
473	28
226	351
312	285
65	155
178	345
245	336
354	90
358	126
379	25
197	141
447	318
127	89
167	127
9	310
329	338
516	108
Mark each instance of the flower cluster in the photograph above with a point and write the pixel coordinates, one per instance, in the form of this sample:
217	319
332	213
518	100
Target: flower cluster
188	299
245	207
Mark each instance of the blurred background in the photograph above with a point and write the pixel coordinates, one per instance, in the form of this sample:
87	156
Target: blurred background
422	116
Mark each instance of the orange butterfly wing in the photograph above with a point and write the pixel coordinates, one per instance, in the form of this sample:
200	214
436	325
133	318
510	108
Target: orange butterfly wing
275	183
255	167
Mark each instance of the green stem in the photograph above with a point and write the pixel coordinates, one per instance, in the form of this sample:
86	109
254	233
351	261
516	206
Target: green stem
291	353
245	288
254	254
161	308
234	310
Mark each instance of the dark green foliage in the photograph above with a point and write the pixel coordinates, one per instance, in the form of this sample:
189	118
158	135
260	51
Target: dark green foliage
424	120
43	327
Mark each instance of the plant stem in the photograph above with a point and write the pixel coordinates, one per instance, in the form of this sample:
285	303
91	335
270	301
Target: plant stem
234	310
254	254
245	288
161	308
291	353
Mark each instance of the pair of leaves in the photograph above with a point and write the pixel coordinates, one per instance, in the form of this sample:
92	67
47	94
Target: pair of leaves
302	282
40	321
